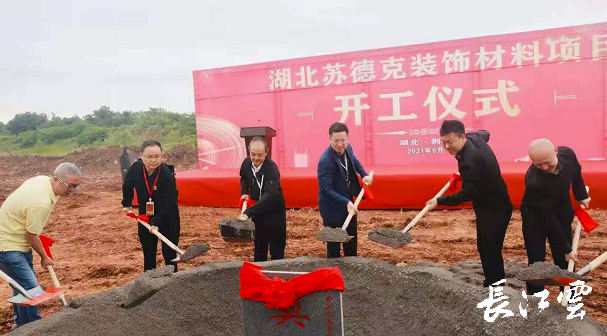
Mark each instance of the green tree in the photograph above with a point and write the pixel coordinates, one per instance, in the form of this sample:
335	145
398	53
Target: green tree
28	139
107	118
91	135
72	120
25	122
54	121
78	127
52	134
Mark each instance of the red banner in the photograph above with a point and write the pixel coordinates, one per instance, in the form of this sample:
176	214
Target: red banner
518	86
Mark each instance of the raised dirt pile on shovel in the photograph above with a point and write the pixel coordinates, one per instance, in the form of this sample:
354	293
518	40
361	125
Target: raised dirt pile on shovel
236	230
194	251
380	299
546	272
390	237
328	234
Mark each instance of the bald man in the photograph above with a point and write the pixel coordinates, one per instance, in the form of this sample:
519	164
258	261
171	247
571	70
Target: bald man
546	209
260	181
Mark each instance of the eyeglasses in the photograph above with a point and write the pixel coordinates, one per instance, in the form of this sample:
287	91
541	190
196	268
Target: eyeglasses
71	186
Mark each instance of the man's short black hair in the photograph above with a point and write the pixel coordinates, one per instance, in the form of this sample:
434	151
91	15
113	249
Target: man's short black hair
452	126
338	127
150	143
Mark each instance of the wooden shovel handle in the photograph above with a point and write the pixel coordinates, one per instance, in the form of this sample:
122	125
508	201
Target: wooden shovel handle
159	235
576	238
593	264
15	285
426	209
574	245
244	207
358	199
51	271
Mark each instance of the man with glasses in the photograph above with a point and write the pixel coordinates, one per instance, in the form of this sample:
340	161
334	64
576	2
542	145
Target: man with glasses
157	194
338	171
23	216
260	181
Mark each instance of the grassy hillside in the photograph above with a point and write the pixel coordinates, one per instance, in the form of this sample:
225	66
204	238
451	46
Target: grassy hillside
36	133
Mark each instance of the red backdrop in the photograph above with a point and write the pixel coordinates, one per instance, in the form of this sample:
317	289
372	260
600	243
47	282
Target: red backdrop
520	87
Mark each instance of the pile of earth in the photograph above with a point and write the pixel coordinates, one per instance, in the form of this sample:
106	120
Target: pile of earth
380	299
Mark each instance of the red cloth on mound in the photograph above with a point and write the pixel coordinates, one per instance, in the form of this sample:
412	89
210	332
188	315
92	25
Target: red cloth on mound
277	293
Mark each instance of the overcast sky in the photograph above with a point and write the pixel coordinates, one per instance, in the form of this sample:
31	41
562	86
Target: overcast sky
71	57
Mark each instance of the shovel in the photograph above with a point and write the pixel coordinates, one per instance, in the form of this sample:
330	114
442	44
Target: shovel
395	238
566	277
236	230
51	271
31	297
189	253
47	242
576	239
339	235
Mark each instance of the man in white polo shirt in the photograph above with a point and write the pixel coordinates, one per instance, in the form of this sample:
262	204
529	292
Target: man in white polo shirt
23	215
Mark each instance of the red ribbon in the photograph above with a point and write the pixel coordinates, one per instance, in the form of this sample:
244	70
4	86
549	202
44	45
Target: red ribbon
250	203
368	194
588	223
453	182
279	294
143	217
47	242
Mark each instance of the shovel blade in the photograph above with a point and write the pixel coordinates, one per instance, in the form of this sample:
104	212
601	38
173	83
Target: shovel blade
556	281
548	274
192	252
390	237
39	294
238	231
333	235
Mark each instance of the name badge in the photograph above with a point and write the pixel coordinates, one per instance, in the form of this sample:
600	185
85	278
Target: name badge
149	208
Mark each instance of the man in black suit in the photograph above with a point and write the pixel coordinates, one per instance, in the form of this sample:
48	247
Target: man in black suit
546	208
482	183
260	181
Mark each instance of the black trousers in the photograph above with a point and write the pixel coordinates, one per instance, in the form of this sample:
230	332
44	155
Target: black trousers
270	232
536	229
149	243
351	247
491	225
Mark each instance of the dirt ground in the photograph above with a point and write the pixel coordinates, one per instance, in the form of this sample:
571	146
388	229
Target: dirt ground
96	246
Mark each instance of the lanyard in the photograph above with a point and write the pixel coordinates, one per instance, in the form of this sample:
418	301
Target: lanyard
345	165
147	186
260	185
